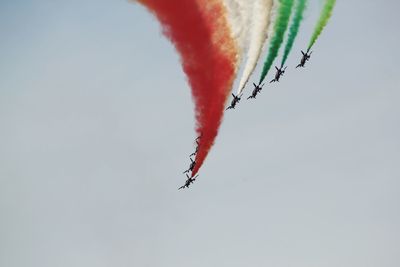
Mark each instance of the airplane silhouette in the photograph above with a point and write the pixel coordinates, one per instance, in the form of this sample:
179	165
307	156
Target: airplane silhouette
195	152
257	89
279	73
235	101
306	57
199	137
191	167
188	182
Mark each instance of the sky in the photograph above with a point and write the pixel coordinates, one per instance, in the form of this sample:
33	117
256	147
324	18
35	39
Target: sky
97	122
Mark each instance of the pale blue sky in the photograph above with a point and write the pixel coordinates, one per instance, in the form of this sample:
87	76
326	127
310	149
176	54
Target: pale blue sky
97	122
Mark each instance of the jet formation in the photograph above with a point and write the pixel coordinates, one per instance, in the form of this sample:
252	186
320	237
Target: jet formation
279	73
191	179
236	99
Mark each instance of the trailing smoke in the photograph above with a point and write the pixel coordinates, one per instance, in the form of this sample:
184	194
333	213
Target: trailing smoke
259	25
294	28
211	38
280	27
239	13
200	34
323	21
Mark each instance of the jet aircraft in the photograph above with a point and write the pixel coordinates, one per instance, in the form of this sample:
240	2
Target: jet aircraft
197	146
188	182
306	57
257	89
199	137
235	101
279	73
191	167
195	152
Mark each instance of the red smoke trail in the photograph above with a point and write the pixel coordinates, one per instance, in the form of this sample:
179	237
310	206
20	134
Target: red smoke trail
200	33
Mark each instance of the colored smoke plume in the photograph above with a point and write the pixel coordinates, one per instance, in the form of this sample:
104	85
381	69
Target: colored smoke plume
294	28
258	34
200	33
281	23
326	13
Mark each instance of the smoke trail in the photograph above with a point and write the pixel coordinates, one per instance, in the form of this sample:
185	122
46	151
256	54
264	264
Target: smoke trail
259	28
281	24
323	20
294	28
239	13
218	83
199	31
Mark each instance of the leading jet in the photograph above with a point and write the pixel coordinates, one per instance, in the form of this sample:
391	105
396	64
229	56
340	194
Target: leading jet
188	182
257	89
279	73
235	101
306	57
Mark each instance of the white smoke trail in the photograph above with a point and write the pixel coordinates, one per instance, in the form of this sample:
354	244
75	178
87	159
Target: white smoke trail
261	17
239	14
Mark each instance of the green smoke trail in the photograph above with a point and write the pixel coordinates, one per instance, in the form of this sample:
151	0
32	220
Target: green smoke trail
323	20
281	23
294	28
